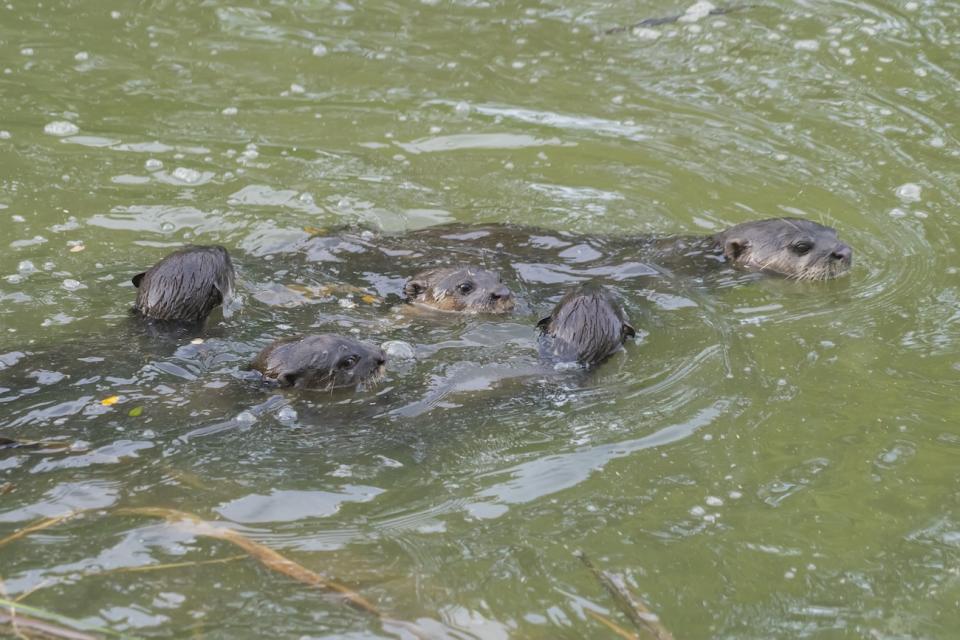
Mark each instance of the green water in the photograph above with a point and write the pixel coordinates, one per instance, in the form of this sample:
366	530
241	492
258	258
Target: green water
770	460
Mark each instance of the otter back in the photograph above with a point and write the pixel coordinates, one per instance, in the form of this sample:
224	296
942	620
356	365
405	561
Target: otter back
186	285
586	327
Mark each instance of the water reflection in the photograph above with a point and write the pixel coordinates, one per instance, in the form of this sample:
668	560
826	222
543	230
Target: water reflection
781	454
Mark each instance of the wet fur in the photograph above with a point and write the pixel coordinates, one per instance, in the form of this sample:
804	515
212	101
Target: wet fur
185	286
766	245
313	362
437	289
587	326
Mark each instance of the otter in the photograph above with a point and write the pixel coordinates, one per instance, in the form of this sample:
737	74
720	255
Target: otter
322	361
460	289
795	248
185	286
586	327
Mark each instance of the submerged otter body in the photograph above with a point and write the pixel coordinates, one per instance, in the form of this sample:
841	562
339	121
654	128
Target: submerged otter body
185	286
322	361
460	289
542	262
790	247
586	327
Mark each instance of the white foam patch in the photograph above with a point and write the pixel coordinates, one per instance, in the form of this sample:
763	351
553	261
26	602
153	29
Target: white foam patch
645	33
697	11
183	176
61	128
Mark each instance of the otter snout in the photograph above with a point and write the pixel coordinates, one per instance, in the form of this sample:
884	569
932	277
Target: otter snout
843	253
501	298
322	361
500	293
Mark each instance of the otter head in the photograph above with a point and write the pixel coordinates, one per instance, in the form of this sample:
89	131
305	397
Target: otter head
185	286
793	247
324	361
462	289
587	326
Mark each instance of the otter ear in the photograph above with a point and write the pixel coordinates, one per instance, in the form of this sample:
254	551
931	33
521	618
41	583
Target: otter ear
413	288
733	248
544	324
628	332
137	278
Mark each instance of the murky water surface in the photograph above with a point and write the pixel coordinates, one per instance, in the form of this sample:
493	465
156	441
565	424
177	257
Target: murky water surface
768	459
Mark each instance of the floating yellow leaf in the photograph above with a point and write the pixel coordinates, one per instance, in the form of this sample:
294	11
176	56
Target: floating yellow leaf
299	288
77	248
369	299
136	411
315	231
109	402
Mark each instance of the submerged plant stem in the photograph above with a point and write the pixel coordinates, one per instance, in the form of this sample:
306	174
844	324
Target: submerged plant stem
39	526
65	627
263	554
613	626
19	624
640	615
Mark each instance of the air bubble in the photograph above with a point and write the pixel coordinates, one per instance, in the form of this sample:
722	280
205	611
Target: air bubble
287	414
398	349
190	176
909	192
72	285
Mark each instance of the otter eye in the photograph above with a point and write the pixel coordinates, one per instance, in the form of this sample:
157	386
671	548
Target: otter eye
348	362
801	247
465	287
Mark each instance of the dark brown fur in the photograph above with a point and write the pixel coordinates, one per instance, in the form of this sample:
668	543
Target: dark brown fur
460	289
791	247
185	286
322	361
587	326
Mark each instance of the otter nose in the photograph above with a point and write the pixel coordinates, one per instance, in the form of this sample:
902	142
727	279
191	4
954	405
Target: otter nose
500	293
842	252
381	359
